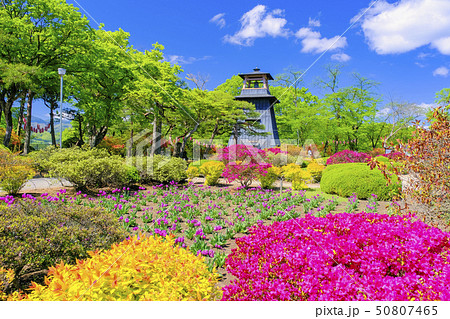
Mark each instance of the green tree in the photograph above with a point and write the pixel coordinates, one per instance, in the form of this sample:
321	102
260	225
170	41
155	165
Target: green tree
38	36
232	86
348	108
99	82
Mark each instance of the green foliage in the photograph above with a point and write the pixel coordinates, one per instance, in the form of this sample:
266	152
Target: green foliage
272	175
212	171
86	167
232	86
159	168
297	175
316	169
192	172
15	170
34	237
199	163
349	178
280	159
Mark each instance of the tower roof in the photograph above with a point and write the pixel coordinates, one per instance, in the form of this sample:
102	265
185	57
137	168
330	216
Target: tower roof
256	72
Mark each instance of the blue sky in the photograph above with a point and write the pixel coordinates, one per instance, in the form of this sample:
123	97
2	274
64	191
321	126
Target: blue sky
404	45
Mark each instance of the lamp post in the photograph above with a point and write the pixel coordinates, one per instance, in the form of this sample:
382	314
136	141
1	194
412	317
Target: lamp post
61	73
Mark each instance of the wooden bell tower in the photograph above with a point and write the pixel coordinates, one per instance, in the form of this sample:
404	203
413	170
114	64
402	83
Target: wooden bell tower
256	91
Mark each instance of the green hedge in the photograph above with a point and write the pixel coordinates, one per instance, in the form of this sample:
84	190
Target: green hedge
85	167
349	178
159	168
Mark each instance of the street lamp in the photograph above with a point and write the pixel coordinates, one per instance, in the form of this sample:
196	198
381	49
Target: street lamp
61	73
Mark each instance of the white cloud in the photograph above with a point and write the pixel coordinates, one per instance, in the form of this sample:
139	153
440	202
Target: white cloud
441	71
313	23
219	20
180	60
340	57
383	112
426	106
313	42
258	23
405	25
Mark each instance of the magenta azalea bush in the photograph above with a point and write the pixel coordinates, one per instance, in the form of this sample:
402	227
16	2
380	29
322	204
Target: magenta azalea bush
365	256
245	173
347	156
275	150
242	153
244	163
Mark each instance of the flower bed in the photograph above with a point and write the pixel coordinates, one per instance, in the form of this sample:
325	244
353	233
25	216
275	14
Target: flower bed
363	256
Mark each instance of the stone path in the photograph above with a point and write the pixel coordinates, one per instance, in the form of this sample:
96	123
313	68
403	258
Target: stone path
43	183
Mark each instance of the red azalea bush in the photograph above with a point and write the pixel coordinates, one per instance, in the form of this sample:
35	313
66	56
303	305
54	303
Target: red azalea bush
244	163
347	156
364	256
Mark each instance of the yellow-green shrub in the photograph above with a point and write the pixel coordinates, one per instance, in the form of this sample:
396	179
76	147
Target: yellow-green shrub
316	169
6	278
192	172
85	167
34	237
136	269
15	170
159	168
212	171
280	159
297	175
272	175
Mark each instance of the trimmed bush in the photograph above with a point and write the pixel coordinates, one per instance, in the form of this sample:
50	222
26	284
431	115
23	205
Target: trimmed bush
159	168
297	175
341	257
34	237
346	179
347	156
212	171
15	170
280	159
137	269
192	172
271	176
199	163
316	169
86	168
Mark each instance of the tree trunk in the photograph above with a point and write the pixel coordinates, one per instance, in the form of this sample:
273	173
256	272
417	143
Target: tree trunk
80	130
26	146
52	122
214	132
131	141
9	124
20	116
183	145
156	144
99	136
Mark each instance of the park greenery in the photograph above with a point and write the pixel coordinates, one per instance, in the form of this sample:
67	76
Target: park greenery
162	209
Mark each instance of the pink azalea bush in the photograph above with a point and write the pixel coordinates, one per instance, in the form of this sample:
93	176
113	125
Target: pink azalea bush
244	163
365	256
347	156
